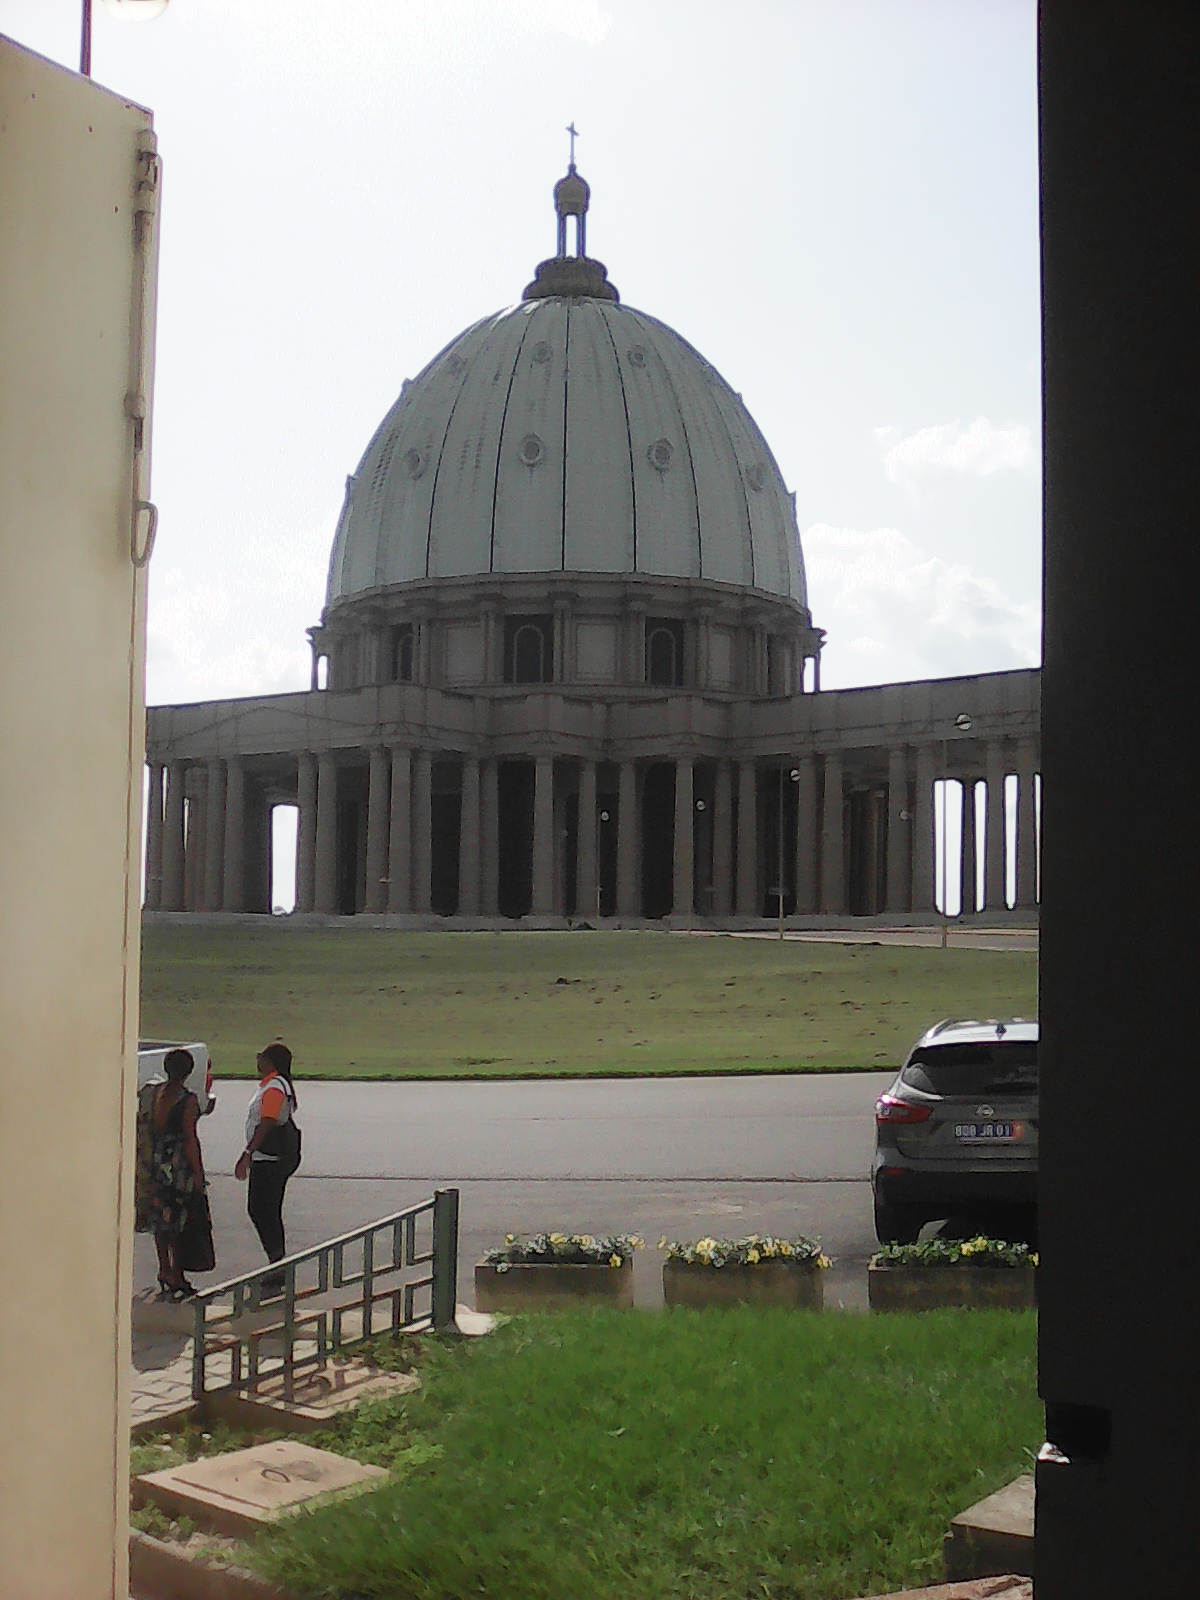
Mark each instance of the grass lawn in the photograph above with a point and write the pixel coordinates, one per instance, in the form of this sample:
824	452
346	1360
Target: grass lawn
373	1003
735	1455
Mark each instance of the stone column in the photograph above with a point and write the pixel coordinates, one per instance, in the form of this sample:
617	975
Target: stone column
833	852
684	869
469	840
748	903
923	832
629	854
587	867
543	837
233	891
376	896
306	831
325	876
899	831
214	835
172	887
993	876
969	868
723	840
399	887
1026	828
806	835
423	833
154	838
490	842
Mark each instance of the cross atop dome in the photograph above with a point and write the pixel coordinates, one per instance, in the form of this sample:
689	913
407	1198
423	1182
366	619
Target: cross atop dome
572	275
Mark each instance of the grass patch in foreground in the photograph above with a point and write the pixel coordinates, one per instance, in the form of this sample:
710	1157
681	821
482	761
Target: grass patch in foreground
735	1455
379	1003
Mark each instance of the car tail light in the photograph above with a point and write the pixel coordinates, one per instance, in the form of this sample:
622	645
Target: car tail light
208	1081
889	1109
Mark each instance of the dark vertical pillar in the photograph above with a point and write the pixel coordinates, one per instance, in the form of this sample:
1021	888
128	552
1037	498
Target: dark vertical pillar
306	830
833	843
233	892
325	876
1120	150
154	838
379	779
723	840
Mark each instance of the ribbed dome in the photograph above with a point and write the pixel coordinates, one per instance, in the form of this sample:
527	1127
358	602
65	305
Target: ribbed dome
568	434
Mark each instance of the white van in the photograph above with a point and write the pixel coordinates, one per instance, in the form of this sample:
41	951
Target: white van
151	1053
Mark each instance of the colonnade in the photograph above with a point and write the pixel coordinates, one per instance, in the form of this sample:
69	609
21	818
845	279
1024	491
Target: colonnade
397	830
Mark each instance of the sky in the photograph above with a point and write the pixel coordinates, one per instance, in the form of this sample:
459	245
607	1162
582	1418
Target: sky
834	200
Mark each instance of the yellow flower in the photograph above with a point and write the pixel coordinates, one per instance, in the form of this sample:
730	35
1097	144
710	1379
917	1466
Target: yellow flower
510	1238
662	1243
1033	1260
586	1240
824	1261
636	1242
614	1261
558	1238
752	1256
786	1249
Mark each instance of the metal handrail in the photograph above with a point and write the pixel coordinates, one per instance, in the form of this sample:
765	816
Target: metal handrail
318	1274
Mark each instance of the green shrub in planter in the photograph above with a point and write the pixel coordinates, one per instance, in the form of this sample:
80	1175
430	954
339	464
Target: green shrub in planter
976	1272
550	1271
756	1270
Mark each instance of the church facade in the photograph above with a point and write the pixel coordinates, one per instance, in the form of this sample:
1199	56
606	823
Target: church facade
567	669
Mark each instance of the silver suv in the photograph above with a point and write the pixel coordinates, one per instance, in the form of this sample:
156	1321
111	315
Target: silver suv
956	1134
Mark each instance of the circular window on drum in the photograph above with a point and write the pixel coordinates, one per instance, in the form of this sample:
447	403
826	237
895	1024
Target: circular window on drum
531	450
659	454
414	463
637	356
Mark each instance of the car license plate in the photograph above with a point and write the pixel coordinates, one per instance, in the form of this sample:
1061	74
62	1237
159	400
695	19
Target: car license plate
989	1132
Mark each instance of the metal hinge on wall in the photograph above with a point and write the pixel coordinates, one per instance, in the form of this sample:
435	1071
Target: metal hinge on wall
144	515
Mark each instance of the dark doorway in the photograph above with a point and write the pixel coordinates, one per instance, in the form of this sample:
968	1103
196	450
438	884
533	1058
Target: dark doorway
658	839
351	863
515	878
606	838
445	813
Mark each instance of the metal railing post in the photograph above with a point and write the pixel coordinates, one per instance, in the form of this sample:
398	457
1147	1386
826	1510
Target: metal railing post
445	1257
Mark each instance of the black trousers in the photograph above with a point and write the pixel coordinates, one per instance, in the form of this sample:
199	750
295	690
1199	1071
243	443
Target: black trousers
264	1202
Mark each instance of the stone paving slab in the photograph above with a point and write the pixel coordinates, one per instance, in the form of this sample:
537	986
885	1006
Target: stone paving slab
247	1490
995	1535
1008	1586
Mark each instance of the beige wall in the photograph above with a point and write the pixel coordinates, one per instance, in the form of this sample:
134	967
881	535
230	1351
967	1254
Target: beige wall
71	632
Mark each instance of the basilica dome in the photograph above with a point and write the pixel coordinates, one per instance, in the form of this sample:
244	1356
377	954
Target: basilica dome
568	434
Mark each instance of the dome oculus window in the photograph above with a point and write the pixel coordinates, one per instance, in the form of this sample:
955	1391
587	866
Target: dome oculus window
531	450
637	356
664	652
659	454
756	475
414	463
542	352
528	649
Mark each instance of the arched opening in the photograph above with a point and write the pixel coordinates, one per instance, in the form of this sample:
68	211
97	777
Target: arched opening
282	835
528	650
664	652
322	673
515	782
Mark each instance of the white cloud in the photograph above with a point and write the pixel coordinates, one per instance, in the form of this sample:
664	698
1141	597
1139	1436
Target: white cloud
979	449
894	613
241	633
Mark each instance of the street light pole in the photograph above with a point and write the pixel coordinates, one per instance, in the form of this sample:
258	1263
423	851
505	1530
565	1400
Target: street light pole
601	816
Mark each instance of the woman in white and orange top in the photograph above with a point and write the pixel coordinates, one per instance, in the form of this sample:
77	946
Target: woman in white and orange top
272	1152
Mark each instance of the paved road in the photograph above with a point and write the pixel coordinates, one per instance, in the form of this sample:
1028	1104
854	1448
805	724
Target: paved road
680	1156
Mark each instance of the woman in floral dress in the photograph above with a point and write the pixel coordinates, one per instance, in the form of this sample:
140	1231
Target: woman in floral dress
170	1168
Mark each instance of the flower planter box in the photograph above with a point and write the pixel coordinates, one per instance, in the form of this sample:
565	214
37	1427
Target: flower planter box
766	1283
929	1288
552	1286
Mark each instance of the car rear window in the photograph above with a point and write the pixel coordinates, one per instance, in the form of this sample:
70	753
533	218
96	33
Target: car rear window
969	1069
